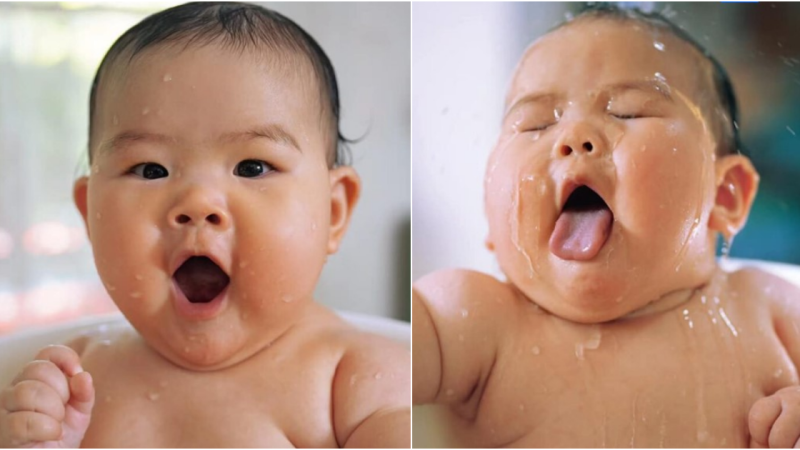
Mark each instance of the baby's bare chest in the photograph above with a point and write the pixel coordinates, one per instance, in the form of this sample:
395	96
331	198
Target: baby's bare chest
143	403
686	378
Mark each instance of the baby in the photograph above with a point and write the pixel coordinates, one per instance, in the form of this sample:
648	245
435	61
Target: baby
215	195
616	168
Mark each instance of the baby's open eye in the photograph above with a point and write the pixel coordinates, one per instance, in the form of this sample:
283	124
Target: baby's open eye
149	171
252	168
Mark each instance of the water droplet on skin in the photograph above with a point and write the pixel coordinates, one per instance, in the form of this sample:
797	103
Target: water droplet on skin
153	396
464	313
98	216
167	77
659	46
139	277
352	380
557	114
777	373
660	77
535	350
136	294
450	393
579	351
116	120
702	436
378	376
728	322
243	264
146	111
286	298
674	150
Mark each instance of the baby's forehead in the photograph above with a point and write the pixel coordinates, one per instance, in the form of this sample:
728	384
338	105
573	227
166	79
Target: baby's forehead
618	49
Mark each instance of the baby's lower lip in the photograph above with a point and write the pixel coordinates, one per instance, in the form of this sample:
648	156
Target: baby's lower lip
198	311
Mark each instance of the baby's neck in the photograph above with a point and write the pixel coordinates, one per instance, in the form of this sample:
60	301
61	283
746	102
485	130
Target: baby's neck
666	302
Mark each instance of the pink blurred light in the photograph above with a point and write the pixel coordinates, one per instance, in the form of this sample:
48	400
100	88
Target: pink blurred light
6	244
49	238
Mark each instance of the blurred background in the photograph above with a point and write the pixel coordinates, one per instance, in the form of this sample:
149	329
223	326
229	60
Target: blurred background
48	55
463	58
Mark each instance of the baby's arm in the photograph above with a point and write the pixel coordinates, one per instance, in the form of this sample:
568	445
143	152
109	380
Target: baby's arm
371	398
774	421
49	403
455	335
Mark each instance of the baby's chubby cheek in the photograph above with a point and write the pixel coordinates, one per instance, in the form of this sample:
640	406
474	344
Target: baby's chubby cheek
280	252
516	193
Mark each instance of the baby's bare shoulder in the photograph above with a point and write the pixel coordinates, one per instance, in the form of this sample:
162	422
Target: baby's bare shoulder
770	289
461	293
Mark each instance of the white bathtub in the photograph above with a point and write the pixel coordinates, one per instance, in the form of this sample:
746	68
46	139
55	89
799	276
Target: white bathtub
17	349
428	431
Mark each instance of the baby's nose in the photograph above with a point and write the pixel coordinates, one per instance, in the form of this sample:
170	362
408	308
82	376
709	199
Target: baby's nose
199	208
567	149
579	139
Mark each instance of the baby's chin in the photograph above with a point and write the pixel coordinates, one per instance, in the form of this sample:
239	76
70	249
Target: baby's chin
583	300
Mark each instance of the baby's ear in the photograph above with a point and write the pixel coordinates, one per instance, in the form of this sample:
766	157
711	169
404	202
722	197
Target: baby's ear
737	182
345	191
79	195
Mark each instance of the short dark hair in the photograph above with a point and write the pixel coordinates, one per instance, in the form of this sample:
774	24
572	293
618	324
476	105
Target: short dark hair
241	26
730	138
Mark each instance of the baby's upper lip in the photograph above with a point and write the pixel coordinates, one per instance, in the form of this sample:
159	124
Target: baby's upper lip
183	255
570	184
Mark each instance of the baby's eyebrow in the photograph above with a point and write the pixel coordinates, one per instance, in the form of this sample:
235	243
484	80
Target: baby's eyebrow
272	132
650	86
123	139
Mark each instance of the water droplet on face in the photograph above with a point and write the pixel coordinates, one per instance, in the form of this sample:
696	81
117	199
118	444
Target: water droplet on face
702	436
145	111
167	77
660	77
659	46
352	380
136	294
464	313
243	264
286	298
139	277
153	396
535	350
378	376
674	150
777	373
557	114
116	120
450	393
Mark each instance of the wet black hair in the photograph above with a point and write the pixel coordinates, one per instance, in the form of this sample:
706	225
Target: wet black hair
731	139
240	26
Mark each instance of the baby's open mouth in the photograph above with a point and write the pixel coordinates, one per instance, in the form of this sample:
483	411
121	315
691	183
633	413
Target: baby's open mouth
582	227
200	279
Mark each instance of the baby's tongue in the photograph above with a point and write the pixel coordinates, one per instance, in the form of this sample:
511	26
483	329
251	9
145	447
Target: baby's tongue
580	234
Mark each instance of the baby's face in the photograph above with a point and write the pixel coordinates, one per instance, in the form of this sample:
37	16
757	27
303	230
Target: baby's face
611	107
209	153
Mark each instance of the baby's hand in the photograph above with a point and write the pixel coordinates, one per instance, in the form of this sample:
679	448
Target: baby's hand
49	404
775	420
